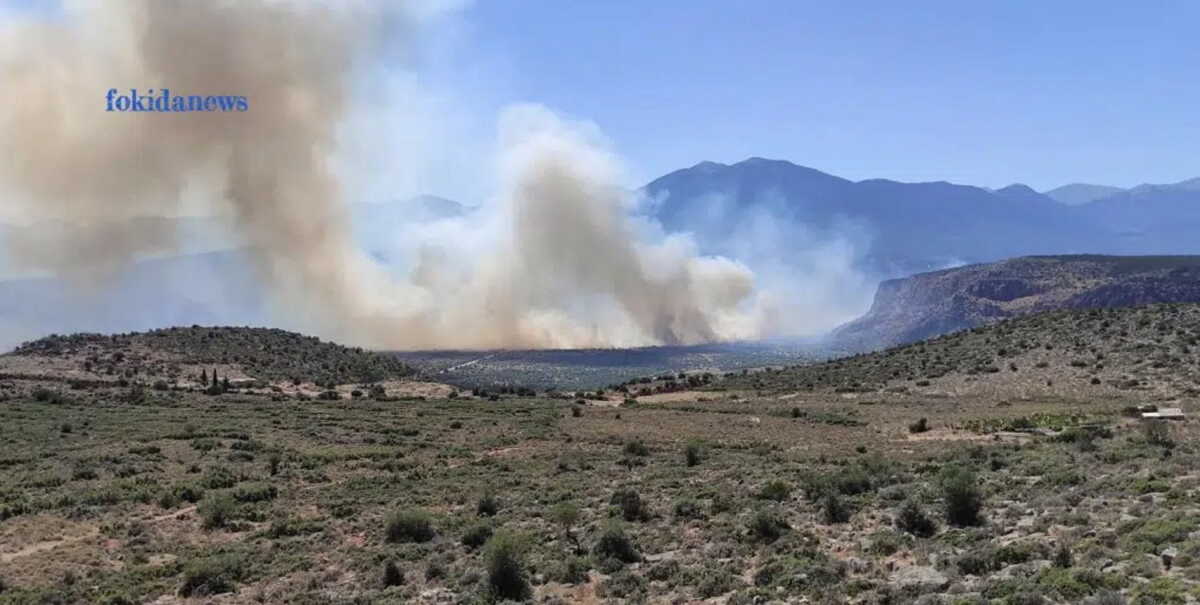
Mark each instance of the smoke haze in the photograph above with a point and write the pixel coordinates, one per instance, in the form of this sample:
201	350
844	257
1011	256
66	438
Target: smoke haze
554	259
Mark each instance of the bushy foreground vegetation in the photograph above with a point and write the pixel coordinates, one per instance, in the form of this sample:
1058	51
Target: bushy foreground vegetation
821	497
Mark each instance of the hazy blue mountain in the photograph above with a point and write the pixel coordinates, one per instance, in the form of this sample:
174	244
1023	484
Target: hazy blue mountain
1150	219
1022	193
1078	194
898	228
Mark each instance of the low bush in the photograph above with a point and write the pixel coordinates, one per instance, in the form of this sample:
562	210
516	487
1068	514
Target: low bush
487	506
912	519
776	490
477	535
614	544
766	526
211	575
409	526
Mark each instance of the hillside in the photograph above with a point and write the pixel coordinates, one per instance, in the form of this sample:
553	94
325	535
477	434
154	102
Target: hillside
912	308
179	355
1148	353
900	477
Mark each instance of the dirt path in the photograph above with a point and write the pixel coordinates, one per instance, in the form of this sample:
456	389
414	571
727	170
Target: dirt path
46	545
43	546
467	363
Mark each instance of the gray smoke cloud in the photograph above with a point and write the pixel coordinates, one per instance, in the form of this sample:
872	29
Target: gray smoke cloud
556	260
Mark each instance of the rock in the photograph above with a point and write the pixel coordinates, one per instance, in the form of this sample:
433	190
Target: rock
1116	568
857	565
923	579
1168	556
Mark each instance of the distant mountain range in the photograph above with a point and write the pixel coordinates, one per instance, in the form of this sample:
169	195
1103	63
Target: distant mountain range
902	228
759	211
928	304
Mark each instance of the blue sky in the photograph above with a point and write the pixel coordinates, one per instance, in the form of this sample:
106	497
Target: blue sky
985	93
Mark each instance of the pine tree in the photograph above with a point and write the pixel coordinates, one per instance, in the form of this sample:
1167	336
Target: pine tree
225	383
204	377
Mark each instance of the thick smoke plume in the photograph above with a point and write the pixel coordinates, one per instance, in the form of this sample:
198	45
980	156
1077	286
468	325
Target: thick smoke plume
559	262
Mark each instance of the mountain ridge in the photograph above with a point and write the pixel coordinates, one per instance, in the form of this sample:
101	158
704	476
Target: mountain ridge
929	304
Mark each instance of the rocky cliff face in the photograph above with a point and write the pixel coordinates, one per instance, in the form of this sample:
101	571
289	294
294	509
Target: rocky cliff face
924	305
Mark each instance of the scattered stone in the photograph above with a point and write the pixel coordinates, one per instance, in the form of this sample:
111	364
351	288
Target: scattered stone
922	579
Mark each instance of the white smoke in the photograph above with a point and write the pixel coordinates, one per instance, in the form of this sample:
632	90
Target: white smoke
553	261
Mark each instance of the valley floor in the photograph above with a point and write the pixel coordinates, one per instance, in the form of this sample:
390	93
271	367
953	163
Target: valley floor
115	494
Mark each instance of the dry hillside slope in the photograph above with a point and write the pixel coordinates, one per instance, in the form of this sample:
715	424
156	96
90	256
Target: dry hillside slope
910	309
1150	352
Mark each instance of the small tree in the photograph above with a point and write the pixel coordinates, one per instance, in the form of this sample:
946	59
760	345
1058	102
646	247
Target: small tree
566	515
962	495
204	377
504	554
392	576
692	454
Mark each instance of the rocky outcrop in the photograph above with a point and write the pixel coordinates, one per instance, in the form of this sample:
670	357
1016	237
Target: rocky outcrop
928	304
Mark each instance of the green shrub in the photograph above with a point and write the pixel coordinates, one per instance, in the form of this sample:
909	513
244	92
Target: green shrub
614	544
255	492
1163	590
477	535
920	426
963	498
887	542
572	571
216	510
766	526
392	576
218	477
635	447
211	575
504	555
776	489
1063	557
914	520
286	528
487	506
188	492
630	503
409	526
687	509
692	454
833	509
